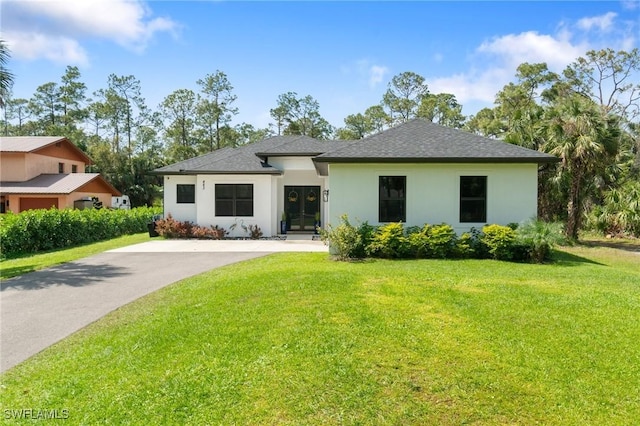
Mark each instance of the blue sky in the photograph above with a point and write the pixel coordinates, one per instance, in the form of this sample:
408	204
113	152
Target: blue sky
342	53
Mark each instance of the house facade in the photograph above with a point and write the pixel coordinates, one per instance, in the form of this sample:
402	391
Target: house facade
43	172
416	173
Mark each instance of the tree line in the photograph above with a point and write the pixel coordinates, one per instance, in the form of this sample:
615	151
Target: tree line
587	116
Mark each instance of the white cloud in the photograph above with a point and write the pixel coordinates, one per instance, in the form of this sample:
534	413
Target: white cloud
34	27
630	4
368	72
60	50
376	75
513	49
602	23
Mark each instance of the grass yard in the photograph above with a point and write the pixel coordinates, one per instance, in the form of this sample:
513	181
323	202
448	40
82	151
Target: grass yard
300	339
10	268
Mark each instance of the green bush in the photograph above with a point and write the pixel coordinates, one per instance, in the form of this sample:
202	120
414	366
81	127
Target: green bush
389	241
538	238
431	241
499	241
33	231
344	240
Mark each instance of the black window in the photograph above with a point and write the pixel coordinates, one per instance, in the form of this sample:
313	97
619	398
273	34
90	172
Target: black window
60	167
186	194
473	199
234	200
74	168
392	199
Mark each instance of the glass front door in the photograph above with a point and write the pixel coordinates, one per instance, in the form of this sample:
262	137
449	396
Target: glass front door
302	204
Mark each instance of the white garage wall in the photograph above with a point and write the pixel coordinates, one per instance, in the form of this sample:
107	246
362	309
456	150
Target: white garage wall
433	192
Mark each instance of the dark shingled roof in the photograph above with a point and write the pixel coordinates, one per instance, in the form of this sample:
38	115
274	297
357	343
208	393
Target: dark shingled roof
419	140
249	159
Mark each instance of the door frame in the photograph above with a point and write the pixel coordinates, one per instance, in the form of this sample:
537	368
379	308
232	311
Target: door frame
298	200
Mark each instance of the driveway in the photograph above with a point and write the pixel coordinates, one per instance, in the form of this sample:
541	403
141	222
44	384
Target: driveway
41	308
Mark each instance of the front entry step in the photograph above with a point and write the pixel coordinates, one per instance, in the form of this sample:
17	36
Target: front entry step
302	237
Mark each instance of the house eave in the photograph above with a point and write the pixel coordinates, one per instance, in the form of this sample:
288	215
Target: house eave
213	172
440	160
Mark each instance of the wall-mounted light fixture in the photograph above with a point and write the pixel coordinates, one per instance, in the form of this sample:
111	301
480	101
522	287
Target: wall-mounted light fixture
325	195
203	184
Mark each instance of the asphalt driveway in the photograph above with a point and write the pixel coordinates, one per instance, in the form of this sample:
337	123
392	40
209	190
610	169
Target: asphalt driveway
40	308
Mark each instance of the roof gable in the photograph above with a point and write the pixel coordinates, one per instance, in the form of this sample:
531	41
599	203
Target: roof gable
42	144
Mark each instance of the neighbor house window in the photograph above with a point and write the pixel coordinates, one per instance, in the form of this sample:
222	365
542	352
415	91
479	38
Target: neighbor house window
392	198
60	167
473	199
234	200
74	168
186	194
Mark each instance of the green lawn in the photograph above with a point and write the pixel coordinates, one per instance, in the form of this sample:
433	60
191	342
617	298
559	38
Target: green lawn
300	339
28	263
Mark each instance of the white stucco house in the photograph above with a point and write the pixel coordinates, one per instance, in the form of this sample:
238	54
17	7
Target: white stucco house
417	173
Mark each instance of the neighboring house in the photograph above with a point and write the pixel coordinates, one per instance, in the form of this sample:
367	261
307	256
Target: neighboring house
40	172
417	173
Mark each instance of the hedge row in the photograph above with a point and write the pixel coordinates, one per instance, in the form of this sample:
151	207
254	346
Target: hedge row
33	231
531	241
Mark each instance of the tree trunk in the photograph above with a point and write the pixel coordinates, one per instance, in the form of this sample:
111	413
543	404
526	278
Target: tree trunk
573	207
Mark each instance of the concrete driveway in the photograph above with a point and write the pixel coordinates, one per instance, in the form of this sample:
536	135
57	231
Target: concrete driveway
40	308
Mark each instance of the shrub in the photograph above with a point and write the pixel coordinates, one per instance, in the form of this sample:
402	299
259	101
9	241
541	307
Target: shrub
469	245
539	238
499	241
389	241
344	240
171	228
39	230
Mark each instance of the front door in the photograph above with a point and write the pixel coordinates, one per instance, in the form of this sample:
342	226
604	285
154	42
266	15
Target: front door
302	204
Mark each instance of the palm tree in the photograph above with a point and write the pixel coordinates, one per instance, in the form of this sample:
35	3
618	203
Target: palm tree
6	78
586	141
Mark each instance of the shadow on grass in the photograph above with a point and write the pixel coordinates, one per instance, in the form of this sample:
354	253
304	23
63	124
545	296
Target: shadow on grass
73	274
562	258
626	245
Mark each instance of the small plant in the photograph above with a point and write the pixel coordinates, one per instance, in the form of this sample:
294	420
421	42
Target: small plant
540	237
345	240
254	232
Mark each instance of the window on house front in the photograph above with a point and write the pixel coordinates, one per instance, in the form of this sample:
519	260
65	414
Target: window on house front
186	194
74	168
234	200
60	167
473	199
392	198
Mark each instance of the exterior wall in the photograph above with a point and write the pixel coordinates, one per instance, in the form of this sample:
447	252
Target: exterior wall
202	211
37	164
182	212
13	167
20	167
433	192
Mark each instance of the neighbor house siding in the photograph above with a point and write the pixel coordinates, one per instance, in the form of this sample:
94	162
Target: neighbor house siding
433	192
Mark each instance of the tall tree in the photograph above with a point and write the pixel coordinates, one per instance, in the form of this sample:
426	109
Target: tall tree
404	95
215	107
586	141
179	113
442	109
45	105
72	97
300	116
6	77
